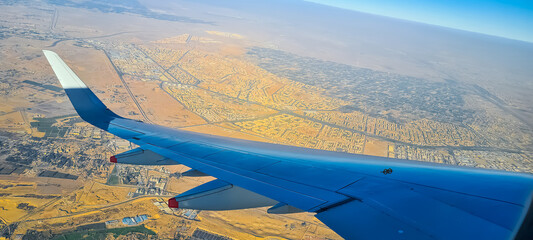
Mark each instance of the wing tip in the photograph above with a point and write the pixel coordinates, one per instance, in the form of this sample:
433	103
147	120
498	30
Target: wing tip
48	53
65	75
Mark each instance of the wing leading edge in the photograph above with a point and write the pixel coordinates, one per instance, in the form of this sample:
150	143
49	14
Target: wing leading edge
357	196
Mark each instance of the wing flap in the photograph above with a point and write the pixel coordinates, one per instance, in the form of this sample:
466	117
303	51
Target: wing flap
220	195
431	216
357	220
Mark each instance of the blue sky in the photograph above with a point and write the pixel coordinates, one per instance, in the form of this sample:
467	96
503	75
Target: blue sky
510	19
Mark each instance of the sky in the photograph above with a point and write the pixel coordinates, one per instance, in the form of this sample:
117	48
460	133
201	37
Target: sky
510	19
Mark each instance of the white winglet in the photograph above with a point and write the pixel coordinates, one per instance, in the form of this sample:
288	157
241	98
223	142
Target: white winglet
66	76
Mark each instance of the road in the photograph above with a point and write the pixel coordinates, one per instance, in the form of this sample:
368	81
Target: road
128	89
97	209
53	23
166	70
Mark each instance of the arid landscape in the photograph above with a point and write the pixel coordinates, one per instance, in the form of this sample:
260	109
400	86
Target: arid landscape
194	72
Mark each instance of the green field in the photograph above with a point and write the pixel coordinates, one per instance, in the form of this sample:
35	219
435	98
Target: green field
113	178
102	234
45	125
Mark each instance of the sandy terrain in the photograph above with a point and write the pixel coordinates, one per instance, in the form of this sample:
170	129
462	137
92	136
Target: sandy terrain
161	108
376	148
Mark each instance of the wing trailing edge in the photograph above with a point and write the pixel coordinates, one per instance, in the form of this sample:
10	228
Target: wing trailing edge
139	156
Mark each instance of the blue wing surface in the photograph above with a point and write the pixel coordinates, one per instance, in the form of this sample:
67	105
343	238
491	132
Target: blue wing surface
350	193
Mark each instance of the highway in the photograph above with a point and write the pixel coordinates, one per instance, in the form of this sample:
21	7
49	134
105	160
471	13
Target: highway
97	209
128	89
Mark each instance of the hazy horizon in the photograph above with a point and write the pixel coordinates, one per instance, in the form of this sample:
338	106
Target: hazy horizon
505	19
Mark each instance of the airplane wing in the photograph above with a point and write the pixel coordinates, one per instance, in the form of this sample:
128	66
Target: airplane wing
358	196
